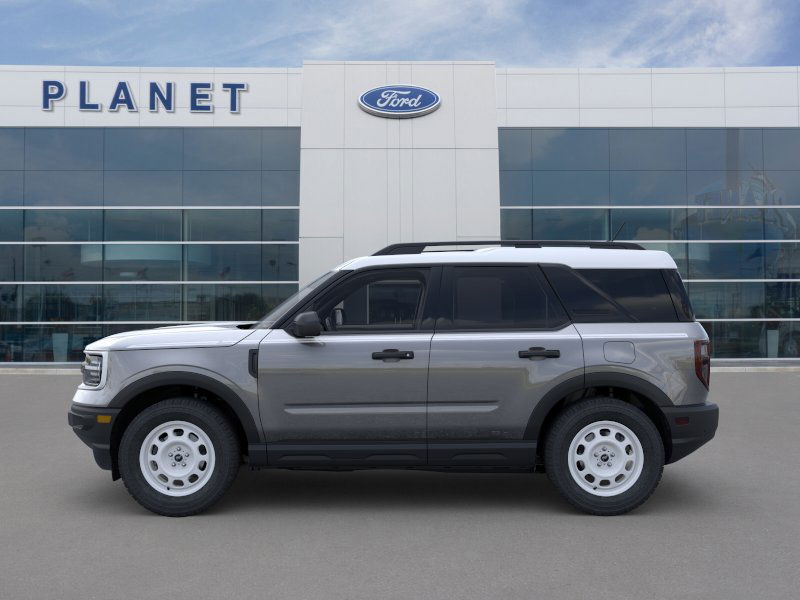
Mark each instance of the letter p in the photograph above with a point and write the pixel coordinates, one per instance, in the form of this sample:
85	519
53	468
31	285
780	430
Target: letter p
51	91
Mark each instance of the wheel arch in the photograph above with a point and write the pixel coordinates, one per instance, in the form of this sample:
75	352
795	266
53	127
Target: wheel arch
150	389
628	388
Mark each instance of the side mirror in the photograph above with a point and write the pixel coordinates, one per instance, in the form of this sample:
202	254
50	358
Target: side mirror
307	325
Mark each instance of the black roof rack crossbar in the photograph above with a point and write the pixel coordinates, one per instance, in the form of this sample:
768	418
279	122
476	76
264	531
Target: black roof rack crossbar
419	247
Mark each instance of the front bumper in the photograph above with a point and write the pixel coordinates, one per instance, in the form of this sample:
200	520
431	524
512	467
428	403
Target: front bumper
96	435
690	427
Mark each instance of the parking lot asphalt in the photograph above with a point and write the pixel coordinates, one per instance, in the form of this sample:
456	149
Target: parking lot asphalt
724	523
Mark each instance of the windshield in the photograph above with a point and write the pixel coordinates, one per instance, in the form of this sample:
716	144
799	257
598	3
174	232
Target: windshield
276	313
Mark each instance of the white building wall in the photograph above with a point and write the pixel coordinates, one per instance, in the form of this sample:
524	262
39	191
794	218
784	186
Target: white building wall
367	181
689	97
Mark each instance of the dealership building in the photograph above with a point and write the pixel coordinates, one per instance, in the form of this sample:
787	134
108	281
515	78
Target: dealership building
145	197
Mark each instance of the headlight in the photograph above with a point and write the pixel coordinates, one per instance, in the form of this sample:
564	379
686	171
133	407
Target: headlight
92	370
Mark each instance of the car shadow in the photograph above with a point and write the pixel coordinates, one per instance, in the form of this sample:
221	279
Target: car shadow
393	490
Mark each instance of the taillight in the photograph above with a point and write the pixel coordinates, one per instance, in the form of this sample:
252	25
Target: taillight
702	361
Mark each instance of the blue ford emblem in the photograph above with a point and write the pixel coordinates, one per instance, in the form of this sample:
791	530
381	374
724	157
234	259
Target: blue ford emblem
399	101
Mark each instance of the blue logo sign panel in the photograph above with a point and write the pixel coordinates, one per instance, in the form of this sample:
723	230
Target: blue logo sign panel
399	101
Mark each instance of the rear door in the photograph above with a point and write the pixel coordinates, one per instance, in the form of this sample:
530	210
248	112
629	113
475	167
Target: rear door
503	341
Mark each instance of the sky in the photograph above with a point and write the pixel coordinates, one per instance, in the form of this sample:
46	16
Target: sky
270	33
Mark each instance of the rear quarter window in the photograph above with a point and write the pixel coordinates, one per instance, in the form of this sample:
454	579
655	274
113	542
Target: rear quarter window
641	292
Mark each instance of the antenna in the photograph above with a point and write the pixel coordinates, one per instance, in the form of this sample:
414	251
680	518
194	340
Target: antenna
618	230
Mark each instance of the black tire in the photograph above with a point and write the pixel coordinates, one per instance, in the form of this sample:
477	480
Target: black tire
570	422
226	451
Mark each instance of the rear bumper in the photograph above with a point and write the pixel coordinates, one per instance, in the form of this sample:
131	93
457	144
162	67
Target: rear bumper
690	427
83	420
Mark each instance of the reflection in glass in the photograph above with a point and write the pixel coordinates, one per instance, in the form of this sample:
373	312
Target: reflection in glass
724	149
731	188
222	225
63	148
726	224
63	225
516	188
781	223
61	303
57	343
738	340
11	337
570	188
516	224
233	262
10	226
11	263
783	186
578	224
142	188
515	149
145	262
280	188
63	262
222	148
726	261
570	149
10	305
143	148
648	187
280	225
12	148
224	302
782	148
63	188
280	149
727	300
142	302
648	149
783	299
223	188
782	260
649	224
279	262
142	225
11	188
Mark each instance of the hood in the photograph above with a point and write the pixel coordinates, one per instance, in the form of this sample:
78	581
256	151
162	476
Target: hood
208	335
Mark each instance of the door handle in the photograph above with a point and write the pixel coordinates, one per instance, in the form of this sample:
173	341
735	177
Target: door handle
539	352
393	353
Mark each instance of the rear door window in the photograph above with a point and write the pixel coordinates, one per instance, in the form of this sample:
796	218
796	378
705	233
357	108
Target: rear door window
499	297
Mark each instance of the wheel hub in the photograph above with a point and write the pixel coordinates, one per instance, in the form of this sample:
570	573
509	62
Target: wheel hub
177	458
605	458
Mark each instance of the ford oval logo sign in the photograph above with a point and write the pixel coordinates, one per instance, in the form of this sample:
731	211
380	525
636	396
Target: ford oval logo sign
399	101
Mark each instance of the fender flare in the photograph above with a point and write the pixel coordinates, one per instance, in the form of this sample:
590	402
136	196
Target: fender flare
590	380
219	389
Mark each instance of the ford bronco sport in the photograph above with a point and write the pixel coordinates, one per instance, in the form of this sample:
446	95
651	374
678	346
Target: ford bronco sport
582	360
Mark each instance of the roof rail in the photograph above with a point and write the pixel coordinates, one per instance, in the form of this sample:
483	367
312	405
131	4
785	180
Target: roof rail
419	247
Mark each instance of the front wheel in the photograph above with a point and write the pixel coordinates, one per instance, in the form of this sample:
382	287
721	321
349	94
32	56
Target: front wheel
604	456
178	457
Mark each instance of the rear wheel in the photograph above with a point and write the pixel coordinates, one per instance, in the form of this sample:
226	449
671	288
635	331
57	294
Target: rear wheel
179	456
604	456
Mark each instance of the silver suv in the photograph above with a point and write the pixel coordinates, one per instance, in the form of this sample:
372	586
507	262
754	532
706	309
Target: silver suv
582	360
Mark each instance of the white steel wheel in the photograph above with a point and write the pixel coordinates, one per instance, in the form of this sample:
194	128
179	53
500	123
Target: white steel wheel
177	458
605	458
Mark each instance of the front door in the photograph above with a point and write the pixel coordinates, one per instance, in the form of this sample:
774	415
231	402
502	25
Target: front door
502	342
355	394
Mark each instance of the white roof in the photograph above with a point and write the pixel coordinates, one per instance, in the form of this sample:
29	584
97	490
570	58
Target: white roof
575	257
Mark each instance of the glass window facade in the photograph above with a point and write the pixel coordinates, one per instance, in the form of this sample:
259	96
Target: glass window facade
103	230
724	202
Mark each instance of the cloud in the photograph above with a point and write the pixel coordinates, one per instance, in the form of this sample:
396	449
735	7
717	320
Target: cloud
583	33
